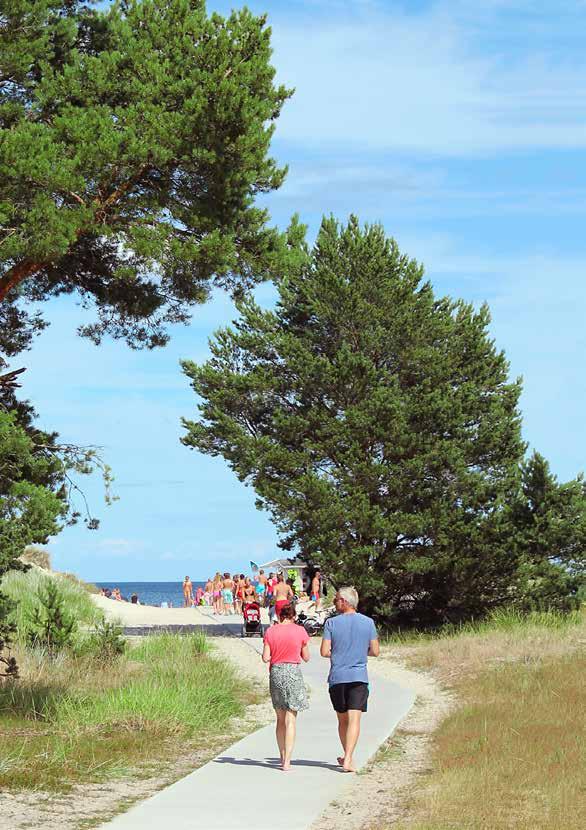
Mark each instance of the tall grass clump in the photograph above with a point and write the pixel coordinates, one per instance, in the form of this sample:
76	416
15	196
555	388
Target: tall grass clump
500	620
25	587
76	718
178	691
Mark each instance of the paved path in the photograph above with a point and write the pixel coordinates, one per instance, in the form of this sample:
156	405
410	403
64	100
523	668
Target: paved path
247	773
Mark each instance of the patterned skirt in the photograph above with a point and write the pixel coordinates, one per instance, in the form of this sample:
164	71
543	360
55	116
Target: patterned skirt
287	687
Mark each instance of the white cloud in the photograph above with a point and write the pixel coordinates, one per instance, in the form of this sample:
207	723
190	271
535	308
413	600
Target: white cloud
428	83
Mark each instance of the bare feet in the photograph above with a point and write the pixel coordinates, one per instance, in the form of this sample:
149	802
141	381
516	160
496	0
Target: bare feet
348	765
286	766
340	760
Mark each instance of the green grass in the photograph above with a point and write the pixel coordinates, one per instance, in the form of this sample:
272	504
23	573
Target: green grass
76	720
501	620
23	588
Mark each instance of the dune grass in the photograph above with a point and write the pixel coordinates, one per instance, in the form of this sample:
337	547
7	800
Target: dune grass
512	755
23	588
74	720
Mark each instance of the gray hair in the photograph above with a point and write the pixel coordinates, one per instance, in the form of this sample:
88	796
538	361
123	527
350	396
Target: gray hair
349	595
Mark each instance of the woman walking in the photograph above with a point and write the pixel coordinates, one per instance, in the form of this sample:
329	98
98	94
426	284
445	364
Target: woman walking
285	645
217	592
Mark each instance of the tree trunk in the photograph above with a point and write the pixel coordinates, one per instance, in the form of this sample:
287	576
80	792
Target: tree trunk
17	274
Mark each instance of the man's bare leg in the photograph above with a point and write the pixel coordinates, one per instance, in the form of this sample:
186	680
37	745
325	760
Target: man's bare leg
342	731
290	729
352	735
280	732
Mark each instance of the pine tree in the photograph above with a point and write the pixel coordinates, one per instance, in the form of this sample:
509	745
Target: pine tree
549	522
133	142
51	626
376	423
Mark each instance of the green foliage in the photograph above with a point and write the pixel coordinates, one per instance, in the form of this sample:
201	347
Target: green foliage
8	664
51	626
377	424
29	509
549	522
133	142
22	589
106	642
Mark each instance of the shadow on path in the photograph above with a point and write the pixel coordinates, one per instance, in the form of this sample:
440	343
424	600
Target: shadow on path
274	763
208	630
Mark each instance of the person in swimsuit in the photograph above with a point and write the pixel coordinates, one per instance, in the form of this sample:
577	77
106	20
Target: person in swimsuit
187	592
249	591
240	582
285	646
208	596
217	593
283	594
316	590
228	588
261	588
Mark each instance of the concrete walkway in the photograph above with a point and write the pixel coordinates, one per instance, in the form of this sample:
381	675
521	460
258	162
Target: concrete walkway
247	774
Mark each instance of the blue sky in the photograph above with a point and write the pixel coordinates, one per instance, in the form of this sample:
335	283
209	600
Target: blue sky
461	127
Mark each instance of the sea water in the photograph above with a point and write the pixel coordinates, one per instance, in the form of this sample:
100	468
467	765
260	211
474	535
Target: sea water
152	593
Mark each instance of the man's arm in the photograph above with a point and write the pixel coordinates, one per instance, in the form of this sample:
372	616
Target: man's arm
374	648
326	643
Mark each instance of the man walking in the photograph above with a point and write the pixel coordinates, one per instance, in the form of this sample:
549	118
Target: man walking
349	639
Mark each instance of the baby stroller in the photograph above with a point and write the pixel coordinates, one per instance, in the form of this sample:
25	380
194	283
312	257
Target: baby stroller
251	624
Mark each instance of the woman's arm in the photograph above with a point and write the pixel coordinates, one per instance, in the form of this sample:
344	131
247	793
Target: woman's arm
266	653
305	652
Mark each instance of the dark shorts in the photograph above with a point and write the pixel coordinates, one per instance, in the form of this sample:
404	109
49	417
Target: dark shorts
346	696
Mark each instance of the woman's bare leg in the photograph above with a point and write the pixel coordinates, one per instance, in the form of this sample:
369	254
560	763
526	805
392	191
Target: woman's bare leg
280	732
290	730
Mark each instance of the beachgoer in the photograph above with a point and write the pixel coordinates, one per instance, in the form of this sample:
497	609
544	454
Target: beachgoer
316	590
217	593
349	639
208	597
228	588
249	591
285	645
134	599
187	592
261	587
199	595
240	583
283	594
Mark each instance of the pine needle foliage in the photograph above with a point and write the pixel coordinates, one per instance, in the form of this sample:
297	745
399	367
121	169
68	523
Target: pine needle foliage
377	424
133	142
51	625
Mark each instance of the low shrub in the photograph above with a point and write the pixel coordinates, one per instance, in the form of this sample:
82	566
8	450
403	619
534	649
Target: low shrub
50	625
105	642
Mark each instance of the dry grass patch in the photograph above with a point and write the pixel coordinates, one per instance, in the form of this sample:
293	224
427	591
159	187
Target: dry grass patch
512	755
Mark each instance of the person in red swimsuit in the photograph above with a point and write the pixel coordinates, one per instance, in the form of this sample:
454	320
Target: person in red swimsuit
283	595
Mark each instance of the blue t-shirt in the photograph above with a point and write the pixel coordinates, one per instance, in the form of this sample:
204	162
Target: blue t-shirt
350	635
